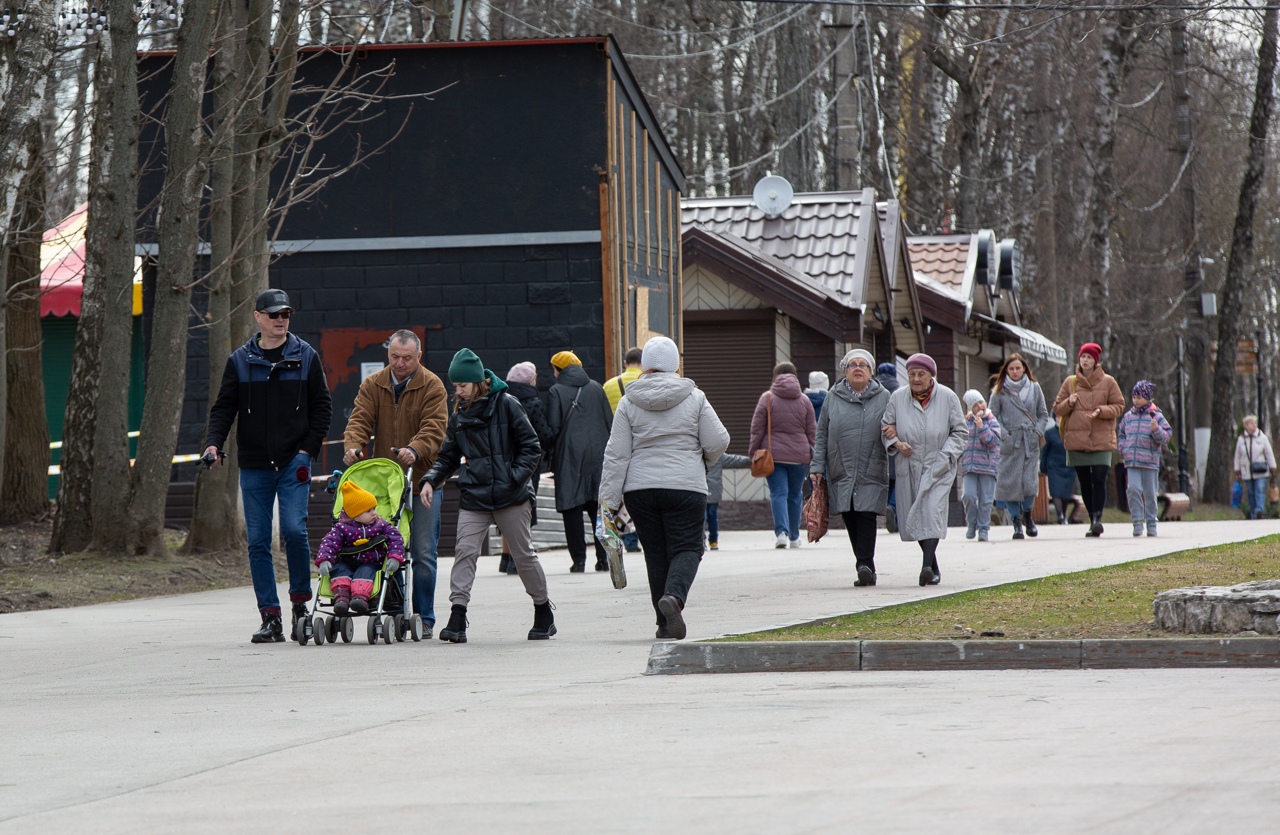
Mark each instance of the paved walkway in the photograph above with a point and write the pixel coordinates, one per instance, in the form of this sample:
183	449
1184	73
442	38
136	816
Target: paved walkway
159	716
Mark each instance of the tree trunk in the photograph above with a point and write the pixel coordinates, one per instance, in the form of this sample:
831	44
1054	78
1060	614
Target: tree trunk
109	264
1217	487
26	431
1113	68
179	215
216	523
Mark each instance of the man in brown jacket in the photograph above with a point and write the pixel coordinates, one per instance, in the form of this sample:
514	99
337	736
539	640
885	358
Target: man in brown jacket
404	409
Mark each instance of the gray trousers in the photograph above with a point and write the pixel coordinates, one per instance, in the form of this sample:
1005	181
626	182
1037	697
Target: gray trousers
1143	487
473	527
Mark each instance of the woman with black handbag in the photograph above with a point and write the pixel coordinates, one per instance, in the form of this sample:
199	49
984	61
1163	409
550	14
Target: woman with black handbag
1255	465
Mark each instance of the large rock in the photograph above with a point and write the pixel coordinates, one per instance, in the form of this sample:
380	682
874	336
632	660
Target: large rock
1230	609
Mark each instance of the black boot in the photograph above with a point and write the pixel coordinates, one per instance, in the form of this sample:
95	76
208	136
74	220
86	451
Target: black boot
1017	529
544	623
866	575
578	567
1032	530
673	610
504	564
271	631
300	617
456	631
1095	525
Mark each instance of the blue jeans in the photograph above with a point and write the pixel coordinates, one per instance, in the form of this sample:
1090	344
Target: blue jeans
424	546
976	493
363	571
1016	508
1256	490
713	522
1142	486
260	490
786	495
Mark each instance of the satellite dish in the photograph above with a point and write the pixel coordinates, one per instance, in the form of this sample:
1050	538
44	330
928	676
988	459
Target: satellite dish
773	195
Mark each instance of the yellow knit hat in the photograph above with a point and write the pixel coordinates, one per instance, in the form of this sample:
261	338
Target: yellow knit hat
356	499
564	359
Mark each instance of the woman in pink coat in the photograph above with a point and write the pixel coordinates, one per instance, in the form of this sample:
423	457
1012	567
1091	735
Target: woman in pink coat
784	424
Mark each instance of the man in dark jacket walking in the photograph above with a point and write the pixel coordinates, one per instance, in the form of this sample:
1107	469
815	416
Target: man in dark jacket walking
274	389
579	418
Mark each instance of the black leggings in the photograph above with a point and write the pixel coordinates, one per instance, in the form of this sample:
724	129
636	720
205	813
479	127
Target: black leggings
1093	487
929	550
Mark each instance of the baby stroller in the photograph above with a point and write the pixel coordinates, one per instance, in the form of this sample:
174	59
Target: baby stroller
391	620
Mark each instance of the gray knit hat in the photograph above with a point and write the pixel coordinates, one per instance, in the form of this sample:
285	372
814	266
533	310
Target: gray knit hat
660	354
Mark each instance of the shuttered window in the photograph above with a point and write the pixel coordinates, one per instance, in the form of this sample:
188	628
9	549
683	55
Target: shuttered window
730	355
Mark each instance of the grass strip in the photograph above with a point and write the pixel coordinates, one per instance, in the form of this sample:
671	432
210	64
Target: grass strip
1110	602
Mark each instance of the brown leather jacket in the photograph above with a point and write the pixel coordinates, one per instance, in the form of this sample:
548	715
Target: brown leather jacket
418	421
1098	390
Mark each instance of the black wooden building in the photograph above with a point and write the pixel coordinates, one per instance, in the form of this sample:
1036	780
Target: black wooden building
531	205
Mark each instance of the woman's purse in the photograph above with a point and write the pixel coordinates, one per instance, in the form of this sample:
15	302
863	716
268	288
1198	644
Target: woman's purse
1257	468
762	461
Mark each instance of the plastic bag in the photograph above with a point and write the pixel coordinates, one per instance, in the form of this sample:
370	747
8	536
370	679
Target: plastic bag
609	537
816	516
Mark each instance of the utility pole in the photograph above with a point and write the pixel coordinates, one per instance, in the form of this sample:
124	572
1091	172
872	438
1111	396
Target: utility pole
848	121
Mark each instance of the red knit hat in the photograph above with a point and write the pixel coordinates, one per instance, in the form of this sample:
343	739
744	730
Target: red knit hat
1093	349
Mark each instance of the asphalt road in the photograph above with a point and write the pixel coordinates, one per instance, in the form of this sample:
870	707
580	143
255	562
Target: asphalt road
159	716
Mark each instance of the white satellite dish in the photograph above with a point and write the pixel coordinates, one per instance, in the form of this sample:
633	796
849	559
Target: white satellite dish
773	195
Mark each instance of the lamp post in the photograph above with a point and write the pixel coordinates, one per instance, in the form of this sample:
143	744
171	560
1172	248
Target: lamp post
1184	473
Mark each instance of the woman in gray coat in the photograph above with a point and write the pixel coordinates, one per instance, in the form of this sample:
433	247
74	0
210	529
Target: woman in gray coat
665	435
1017	402
926	424
850	454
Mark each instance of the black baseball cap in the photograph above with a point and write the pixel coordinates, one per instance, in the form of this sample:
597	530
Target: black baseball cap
273	301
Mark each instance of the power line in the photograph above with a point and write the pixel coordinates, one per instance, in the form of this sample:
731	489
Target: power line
1057	6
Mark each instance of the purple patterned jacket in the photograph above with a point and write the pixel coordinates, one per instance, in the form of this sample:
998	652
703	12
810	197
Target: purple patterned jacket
982	450
1139	445
345	533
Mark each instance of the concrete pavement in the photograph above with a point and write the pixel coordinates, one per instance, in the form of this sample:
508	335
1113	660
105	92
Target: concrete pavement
158	715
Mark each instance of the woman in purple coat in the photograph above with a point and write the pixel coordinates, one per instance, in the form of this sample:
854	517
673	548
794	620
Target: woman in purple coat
785	425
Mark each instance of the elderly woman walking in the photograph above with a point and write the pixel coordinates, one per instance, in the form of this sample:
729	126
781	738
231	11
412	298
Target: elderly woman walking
1255	463
784	424
1018	404
1089	403
925	423
850	454
665	434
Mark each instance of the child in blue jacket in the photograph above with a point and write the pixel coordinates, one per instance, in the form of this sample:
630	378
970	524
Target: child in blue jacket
1142	432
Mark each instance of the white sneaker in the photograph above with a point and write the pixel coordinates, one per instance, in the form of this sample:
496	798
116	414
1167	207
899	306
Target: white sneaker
795	543
782	540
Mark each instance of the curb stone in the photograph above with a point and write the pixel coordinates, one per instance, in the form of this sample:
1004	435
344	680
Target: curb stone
674	658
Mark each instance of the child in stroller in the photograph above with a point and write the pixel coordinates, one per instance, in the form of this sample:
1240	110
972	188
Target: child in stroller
355	548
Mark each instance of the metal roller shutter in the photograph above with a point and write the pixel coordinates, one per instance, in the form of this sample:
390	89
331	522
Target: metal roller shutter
732	361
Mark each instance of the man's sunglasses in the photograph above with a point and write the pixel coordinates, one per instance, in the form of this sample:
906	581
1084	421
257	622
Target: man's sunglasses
280	314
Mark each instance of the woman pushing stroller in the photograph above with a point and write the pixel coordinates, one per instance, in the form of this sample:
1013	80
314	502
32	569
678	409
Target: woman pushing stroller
489	429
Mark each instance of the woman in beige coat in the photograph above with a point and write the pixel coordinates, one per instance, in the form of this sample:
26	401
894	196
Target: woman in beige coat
1088	404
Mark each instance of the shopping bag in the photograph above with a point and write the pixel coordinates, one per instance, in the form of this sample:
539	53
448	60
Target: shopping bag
611	540
816	517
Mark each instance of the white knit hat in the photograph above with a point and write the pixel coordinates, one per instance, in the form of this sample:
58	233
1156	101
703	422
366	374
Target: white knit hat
660	354
818	381
858	353
973	396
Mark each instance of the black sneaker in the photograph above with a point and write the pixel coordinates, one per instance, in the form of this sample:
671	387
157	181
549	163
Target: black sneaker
927	577
456	631
602	565
866	576
271	631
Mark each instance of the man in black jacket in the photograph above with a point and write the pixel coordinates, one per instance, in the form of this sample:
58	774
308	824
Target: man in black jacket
274	388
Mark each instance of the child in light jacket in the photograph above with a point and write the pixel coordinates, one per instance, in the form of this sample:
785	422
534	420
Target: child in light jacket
1141	433
979	465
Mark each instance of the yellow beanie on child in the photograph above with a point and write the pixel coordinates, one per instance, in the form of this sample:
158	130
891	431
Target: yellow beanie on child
356	499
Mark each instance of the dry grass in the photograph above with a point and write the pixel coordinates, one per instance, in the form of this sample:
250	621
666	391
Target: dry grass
31	578
1112	602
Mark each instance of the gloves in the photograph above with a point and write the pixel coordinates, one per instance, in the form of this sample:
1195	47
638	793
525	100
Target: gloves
324	567
392	567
